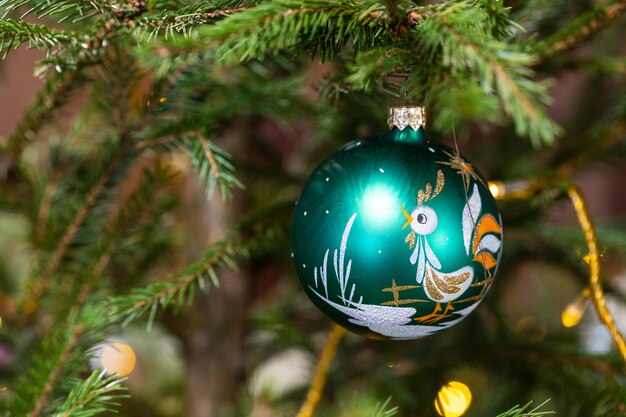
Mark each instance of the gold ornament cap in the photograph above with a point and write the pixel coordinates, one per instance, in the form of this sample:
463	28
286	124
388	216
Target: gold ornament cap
403	115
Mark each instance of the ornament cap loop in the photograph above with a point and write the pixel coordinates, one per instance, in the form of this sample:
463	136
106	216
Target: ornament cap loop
403	115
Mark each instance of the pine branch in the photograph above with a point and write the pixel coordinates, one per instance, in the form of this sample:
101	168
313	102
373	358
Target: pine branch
518	411
534	14
43	210
212	164
498	22
464	48
598	145
317	25
578	30
60	356
97	259
73	10
58	360
15	33
600	142
96	394
58	88
182	20
119	223
463	45
181	287
55	93
381	410
54	261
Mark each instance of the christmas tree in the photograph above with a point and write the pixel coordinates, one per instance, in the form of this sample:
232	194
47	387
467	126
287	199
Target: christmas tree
147	195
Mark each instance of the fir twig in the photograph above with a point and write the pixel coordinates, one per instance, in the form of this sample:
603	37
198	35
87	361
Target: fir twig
64	243
578	30
213	166
96	394
15	33
182	20
98	270
182	286
54	375
518	411
60	356
281	24
102	252
495	63
67	9
44	208
382	409
54	94
598	145
126	216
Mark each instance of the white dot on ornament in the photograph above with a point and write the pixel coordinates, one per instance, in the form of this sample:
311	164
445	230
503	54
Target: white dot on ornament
305	213
327	179
381	170
303	265
327	211
379	205
379	251
118	358
432	150
292	254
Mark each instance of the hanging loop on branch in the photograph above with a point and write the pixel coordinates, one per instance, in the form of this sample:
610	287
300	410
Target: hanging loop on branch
526	188
595	285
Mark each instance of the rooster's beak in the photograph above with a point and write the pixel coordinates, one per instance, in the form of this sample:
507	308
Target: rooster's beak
409	219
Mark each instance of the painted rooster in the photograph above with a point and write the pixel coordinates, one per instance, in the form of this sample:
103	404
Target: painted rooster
479	238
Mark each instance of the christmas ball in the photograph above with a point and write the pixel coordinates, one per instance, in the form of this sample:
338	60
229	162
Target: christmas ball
395	237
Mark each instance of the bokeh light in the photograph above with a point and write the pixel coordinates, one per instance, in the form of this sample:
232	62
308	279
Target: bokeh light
453	399
494	188
572	313
118	358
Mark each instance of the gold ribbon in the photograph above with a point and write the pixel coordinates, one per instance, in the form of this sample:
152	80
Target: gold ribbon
595	285
321	372
524	189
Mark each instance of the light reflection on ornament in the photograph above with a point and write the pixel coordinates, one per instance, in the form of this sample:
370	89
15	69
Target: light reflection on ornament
379	204
453	399
118	358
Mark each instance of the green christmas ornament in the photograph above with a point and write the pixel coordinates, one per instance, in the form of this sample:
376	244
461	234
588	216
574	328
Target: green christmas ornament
395	237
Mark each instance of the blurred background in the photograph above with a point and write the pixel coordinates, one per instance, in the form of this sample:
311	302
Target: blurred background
249	346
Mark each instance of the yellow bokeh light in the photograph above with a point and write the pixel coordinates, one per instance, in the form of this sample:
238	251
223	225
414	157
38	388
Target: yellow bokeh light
494	188
118	358
574	311
453	399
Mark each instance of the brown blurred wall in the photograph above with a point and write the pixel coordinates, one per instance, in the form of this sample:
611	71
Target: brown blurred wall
18	87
